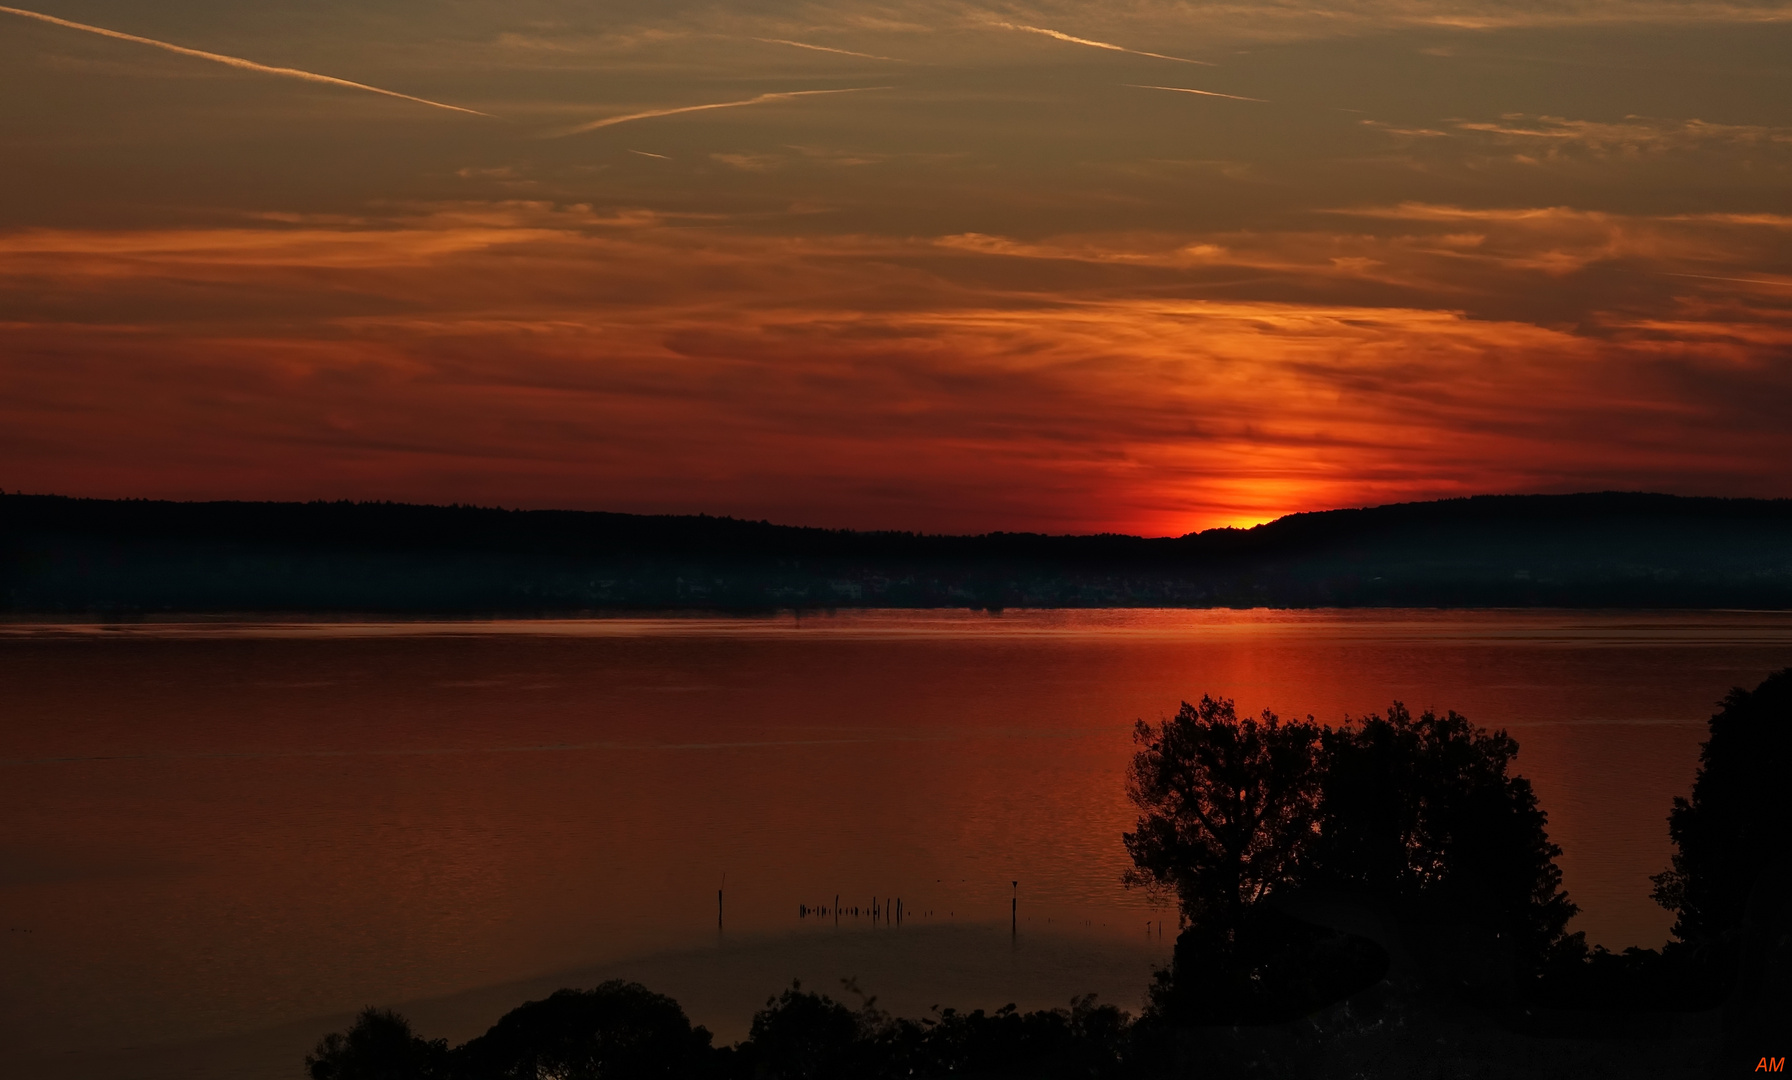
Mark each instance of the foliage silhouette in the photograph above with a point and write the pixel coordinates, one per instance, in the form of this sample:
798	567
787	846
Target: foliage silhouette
1227	807
1266	969
379	1046
1738	819
622	1031
1426	813
1423	813
802	1035
1083	1042
616	1031
1730	883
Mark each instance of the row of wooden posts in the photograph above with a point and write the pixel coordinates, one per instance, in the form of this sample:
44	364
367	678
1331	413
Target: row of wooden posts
886	910
890	911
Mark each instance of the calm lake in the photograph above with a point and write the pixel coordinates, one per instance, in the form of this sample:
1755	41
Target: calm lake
218	840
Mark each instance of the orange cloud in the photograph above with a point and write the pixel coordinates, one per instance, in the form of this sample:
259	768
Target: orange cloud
525	353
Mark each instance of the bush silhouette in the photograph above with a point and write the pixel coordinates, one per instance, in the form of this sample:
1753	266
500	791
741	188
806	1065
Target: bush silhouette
616	1031
803	1035
379	1046
1084	1042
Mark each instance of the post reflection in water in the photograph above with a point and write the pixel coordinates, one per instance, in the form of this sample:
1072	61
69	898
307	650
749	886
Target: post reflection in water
210	831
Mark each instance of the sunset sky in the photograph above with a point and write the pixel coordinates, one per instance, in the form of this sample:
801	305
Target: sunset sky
1146	266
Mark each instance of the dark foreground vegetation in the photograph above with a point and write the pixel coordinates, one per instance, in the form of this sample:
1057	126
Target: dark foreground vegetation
1375	900
1601	550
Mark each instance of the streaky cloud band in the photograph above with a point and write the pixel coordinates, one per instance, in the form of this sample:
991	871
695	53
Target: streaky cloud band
234	61
649	114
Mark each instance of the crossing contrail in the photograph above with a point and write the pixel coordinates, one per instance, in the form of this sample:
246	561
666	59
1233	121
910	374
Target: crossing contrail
1062	36
828	49
232	61
1203	93
612	121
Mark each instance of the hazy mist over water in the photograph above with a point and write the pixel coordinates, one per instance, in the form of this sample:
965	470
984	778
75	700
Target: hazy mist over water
213	829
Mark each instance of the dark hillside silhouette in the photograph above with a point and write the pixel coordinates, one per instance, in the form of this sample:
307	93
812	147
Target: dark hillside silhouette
1600	550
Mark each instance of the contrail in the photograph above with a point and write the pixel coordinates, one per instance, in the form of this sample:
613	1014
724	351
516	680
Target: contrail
1203	93
611	121
233	61
1061	36
824	48
648	153
1784	283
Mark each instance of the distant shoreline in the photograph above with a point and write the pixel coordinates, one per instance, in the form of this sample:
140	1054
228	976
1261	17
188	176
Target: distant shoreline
62	557
201	623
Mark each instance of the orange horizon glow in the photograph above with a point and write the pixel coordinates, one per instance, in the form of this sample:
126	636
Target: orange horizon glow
1008	291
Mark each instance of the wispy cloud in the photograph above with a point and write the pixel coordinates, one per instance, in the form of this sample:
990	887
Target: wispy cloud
1632	135
649	114
1776	221
828	49
1203	93
462	335
234	61
1110	46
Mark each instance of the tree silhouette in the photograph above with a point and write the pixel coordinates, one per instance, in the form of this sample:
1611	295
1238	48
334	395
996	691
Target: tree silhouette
1738	821
802	1035
1426	812
1423	812
380	1046
616	1031
1226	806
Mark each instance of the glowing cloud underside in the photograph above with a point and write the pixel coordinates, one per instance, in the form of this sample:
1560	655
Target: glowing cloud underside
234	61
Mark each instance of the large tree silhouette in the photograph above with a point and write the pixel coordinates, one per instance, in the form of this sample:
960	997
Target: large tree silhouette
1226	806
1738	821
1426	812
